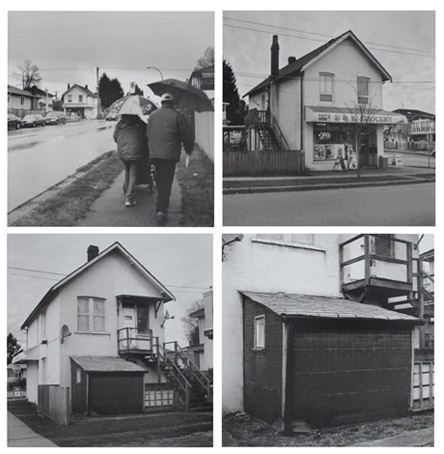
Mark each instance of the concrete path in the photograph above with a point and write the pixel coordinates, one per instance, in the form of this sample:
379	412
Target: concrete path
413	438
20	435
109	209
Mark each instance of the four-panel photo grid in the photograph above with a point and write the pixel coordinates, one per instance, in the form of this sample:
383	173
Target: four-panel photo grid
220	227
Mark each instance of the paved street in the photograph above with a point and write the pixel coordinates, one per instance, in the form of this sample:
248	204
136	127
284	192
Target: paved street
40	157
413	159
412	205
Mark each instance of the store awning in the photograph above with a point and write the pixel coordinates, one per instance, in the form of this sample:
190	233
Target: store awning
316	114
293	305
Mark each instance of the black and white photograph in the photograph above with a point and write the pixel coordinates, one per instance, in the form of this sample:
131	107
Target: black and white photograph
328	340
329	118
110	340
110	118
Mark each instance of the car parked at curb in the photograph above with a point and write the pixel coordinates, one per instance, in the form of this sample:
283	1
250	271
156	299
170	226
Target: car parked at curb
112	116
14	122
32	120
55	118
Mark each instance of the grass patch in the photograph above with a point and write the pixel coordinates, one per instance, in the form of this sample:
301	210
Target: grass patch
70	203
197	186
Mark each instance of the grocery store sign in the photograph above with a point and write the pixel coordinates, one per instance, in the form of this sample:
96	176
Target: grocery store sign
351	117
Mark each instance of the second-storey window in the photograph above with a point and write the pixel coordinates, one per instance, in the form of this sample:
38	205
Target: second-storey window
363	84
259	332
80	98
326	84
90	314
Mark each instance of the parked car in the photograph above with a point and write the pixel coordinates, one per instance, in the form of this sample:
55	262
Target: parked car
14	121
32	121
55	118
112	116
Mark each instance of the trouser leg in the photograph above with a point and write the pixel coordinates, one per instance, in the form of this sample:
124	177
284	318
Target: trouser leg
130	178
164	180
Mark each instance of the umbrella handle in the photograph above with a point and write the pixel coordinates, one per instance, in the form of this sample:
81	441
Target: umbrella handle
187	160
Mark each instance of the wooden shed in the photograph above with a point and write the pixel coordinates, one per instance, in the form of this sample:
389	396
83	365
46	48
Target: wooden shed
106	385
327	361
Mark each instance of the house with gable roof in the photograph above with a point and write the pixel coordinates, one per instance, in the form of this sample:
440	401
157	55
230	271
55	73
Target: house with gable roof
80	102
313	105
96	342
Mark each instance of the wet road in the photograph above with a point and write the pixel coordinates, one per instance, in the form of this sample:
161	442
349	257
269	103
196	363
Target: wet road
40	157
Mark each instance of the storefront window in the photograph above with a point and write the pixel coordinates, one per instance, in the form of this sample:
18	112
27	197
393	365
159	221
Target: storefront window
332	141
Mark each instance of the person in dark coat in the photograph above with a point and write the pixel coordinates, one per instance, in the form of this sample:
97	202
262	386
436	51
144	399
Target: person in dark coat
130	136
167	131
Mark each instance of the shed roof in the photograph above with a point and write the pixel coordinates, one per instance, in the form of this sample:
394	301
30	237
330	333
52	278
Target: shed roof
106	364
292	305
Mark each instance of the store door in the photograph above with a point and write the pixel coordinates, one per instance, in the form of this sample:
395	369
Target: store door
368	148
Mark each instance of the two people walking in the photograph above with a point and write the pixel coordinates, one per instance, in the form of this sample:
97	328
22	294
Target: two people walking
160	141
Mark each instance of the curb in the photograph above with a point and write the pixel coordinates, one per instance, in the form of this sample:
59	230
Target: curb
314	187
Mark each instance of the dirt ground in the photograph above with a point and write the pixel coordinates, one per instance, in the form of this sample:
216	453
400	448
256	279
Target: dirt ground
174	429
240	429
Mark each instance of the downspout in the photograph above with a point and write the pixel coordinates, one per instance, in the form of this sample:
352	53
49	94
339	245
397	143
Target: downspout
287	378
302	124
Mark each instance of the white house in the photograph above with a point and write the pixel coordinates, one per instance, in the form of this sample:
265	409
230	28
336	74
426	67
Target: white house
19	99
323	103
79	101
277	287
203	352
98	336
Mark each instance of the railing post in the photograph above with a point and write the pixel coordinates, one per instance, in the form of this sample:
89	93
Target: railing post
187	397
367	258
421	304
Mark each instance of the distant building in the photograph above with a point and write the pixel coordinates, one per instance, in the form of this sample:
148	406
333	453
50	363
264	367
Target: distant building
80	102
419	134
19	101
43	99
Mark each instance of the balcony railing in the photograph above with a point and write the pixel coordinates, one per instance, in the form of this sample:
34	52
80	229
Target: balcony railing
130	340
379	261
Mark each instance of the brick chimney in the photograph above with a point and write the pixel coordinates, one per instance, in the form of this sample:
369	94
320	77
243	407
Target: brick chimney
93	252
291	60
275	57
86	86
68	87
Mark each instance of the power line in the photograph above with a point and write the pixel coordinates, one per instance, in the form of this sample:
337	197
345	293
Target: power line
35	271
326	35
320	40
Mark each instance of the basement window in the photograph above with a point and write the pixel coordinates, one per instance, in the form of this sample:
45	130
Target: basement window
259	332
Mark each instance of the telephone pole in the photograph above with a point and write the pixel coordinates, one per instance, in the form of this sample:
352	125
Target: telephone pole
99	104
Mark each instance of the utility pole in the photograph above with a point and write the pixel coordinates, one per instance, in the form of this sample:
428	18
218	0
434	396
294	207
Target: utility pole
99	104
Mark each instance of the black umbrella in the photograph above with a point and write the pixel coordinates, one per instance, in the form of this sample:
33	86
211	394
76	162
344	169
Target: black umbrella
185	95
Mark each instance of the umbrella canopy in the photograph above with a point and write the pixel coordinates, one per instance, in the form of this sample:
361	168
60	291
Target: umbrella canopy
185	95
132	105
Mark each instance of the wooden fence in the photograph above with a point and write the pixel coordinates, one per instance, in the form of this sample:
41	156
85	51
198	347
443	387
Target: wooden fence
263	162
54	403
423	385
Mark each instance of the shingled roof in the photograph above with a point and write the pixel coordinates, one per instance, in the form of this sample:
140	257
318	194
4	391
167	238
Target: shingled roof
296	67
293	305
106	364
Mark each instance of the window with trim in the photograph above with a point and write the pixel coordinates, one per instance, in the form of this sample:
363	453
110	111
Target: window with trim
22	101
80	98
326	84
363	84
90	314
78	376
259	332
69	98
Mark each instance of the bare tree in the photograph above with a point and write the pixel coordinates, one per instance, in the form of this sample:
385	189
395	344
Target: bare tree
206	60
191	323
28	75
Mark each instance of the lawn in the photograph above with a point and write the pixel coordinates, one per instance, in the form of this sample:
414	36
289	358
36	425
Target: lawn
242	430
161	429
197	186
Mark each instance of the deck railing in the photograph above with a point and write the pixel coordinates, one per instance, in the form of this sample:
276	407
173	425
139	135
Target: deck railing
133	340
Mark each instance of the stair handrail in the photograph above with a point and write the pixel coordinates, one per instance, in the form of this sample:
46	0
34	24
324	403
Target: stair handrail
276	128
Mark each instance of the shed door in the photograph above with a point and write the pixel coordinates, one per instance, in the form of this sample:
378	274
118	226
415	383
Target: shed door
116	393
347	372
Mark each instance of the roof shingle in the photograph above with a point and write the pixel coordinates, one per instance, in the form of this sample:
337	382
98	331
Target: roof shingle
106	364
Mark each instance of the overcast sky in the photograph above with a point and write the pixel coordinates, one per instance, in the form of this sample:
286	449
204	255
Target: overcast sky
402	41
68	46
180	262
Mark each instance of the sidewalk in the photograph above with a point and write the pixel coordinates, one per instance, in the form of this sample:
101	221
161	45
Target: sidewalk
109	209
328	180
414	438
20	435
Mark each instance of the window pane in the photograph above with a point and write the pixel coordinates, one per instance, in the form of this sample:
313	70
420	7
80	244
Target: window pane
260	332
83	305
99	307
142	318
83	322
98	323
